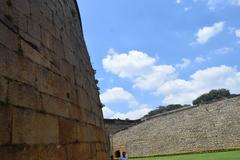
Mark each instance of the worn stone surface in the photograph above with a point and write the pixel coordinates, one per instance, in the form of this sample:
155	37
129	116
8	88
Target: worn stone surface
3	89
79	151
8	38
206	127
22	152
114	125
49	103
34	128
5	123
24	95
55	105
68	131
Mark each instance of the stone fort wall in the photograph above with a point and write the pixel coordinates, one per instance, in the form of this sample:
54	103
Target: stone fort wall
49	103
114	125
206	127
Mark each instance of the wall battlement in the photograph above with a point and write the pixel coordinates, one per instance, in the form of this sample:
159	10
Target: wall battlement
49	103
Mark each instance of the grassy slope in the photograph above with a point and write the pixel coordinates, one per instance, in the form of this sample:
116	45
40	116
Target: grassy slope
233	155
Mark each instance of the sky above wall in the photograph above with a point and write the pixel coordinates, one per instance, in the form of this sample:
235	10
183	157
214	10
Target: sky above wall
149	53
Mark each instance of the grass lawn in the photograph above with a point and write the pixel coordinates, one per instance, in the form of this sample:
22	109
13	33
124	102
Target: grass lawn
231	155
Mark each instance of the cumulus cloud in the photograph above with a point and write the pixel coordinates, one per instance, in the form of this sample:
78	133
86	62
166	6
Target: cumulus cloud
223	51
237	33
199	59
185	63
214	4
132	114
127	65
208	32
186	9
139	67
107	112
158	75
178	1
184	91
118	94
162	80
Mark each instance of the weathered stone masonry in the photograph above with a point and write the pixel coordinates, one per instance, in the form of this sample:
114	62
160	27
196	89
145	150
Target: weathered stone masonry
114	125
49	103
206	127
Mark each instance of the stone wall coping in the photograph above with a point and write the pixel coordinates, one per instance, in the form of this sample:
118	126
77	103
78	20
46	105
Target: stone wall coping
175	111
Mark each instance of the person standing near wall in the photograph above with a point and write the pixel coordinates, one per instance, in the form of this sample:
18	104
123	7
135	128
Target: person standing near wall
124	156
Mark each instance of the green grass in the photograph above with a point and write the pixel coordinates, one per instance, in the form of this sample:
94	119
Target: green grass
231	155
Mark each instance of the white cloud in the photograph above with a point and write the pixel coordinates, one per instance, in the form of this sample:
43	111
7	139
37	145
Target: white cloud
107	112
237	33
133	114
139	67
186	9
199	59
223	51
207	32
184	91
185	63
214	4
127	65
162	80
117	94
158	75
178	1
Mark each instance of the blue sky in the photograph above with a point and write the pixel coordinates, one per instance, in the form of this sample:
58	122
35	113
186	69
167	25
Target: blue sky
159	52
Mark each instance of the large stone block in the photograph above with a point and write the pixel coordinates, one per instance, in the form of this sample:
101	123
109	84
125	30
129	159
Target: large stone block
34	55
100	135
3	7
70	56
46	37
3	89
82	133
18	20
5	124
54	84
79	151
58	48
20	68
22	5
8	38
67	131
3	60
75	112
68	71
35	10
91	117
55	105
83	98
24	95
34	29
101	155
30	127
23	152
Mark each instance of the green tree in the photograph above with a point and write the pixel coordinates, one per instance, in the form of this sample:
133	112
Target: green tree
162	109
213	95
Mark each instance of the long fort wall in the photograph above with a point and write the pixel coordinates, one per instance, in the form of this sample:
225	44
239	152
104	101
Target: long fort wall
49	103
206	127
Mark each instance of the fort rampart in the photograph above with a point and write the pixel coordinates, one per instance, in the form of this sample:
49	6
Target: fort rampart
201	128
49	103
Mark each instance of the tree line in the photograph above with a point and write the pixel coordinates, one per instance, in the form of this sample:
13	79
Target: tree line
212	96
